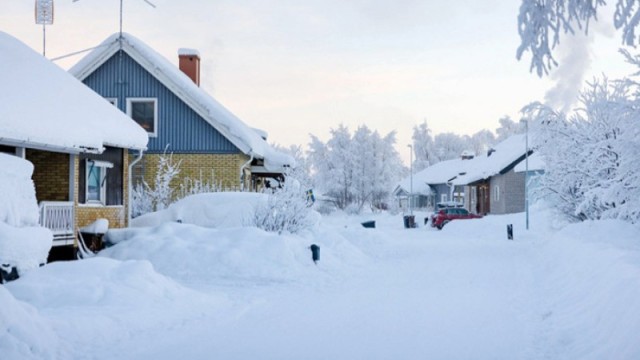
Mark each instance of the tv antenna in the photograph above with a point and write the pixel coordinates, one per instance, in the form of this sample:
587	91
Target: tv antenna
44	17
121	1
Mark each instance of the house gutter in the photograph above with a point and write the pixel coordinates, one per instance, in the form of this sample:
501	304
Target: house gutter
130	195
244	166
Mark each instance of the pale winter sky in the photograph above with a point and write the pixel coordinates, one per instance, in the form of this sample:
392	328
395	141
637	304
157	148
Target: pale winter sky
295	67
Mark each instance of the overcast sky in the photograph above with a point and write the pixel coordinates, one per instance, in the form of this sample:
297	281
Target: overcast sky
295	67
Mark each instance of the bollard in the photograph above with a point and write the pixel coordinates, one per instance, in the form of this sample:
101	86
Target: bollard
315	253
510	231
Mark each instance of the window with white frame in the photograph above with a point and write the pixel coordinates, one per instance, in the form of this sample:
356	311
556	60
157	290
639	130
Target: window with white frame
145	112
112	101
96	181
443	198
496	193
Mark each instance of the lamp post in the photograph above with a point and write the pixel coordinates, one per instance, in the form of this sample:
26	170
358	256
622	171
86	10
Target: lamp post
411	177
526	173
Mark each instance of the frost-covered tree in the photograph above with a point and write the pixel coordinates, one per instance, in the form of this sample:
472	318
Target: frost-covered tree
333	165
388	169
302	170
591	155
541	22
355	170
481	141
508	128
449	146
364	171
423	147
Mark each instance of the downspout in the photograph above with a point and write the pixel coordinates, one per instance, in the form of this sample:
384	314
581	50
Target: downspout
244	166
140	153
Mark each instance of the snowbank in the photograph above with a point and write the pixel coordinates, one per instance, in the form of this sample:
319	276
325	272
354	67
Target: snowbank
93	304
24	333
590	276
213	210
26	247
18	206
23	243
194	254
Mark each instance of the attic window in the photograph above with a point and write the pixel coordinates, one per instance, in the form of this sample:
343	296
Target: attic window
145	112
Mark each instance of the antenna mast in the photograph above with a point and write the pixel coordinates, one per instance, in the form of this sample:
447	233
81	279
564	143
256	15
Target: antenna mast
44	17
121	12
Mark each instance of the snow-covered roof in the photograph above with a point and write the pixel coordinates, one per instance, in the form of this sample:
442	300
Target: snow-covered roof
439	173
536	163
463	172
229	125
43	106
497	159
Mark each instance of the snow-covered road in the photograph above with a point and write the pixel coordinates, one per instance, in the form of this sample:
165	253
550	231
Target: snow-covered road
387	293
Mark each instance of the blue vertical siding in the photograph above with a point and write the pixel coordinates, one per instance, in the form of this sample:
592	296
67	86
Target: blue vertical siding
178	125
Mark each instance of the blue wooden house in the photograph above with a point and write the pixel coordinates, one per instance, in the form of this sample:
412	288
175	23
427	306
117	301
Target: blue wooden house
180	118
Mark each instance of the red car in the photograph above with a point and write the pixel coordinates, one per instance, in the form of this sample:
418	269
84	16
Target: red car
442	217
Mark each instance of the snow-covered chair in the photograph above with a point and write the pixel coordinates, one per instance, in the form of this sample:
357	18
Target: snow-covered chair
90	238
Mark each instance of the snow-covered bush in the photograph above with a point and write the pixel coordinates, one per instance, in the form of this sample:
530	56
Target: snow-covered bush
191	186
160	194
288	209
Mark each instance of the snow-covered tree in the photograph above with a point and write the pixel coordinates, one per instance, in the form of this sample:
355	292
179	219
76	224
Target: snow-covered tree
302	170
508	128
591	155
364	171
541	22
388	169
449	146
355	170
423	147
481	141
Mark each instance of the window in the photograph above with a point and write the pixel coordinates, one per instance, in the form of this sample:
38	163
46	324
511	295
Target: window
443	198
144	111
496	193
112	101
96	181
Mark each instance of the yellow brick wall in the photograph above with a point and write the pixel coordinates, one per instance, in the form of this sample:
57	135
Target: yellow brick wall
221	169
50	175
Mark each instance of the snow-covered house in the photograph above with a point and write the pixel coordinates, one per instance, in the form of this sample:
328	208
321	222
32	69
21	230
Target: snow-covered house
211	143
491	181
434	184
77	142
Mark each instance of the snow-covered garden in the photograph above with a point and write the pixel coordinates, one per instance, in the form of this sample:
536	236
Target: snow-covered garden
231	291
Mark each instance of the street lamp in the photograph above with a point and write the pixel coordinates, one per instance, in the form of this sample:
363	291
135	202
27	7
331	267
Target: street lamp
526	173
411	177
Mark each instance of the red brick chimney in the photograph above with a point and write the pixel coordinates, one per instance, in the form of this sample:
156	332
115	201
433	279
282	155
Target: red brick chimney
190	64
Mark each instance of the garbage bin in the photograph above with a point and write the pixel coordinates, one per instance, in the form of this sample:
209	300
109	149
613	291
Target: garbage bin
369	224
409	221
